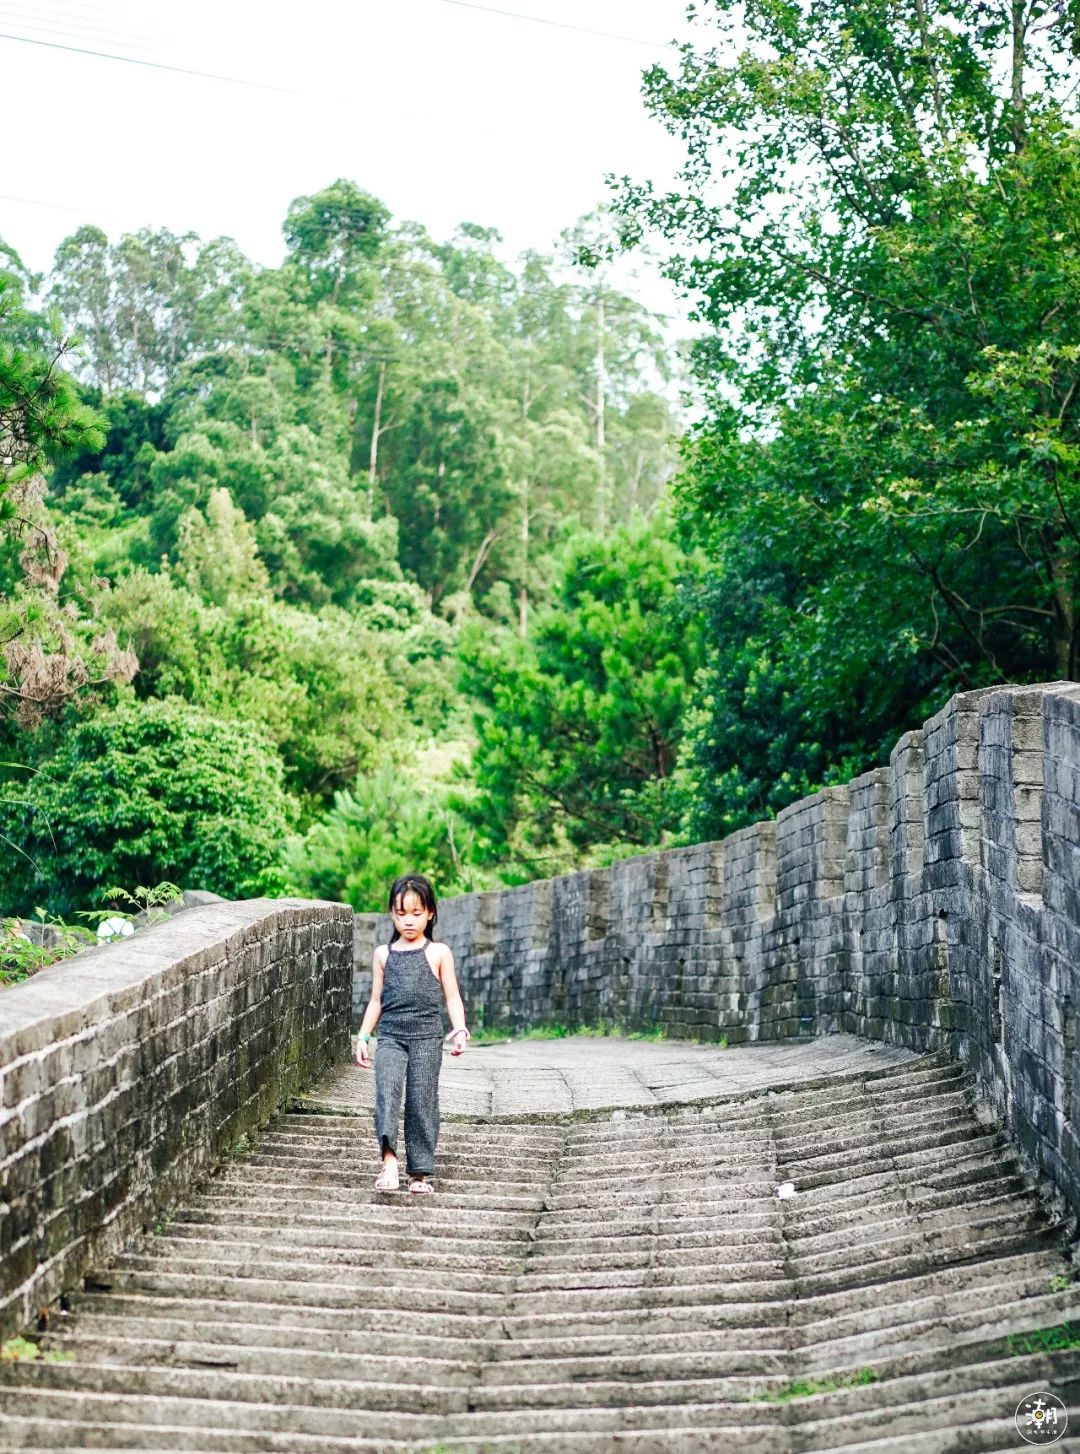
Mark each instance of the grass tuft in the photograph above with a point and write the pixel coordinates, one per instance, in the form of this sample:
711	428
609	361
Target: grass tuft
806	1388
1043	1340
25	1350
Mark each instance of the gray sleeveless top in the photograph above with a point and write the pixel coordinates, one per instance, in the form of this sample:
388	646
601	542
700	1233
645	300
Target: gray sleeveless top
411	996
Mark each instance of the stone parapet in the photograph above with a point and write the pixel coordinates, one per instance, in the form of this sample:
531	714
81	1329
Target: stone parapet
125	1072
933	904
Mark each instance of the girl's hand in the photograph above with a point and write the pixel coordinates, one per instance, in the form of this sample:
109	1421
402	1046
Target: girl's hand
362	1053
459	1039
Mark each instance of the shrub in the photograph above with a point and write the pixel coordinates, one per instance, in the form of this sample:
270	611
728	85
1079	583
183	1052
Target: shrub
145	791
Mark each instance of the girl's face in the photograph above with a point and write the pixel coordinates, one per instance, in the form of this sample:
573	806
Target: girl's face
410	917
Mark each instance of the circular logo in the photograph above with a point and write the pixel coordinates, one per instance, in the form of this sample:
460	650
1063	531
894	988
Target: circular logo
1041	1418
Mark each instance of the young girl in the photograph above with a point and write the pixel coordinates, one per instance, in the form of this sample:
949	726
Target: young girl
410	976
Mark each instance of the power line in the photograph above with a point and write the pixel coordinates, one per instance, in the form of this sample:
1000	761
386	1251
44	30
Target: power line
54	22
153	65
34	202
563	25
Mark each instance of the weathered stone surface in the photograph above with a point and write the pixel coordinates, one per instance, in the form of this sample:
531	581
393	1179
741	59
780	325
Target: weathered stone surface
627	1279
934	905
128	1070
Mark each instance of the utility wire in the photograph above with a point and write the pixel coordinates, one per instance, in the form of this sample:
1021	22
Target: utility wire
153	65
34	202
563	25
55	22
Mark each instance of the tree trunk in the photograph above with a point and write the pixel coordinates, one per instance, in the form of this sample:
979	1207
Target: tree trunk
1019	61
523	592
373	454
601	391
1065	618
481	555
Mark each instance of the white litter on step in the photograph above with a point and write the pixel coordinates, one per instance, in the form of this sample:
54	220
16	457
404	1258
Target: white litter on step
785	1189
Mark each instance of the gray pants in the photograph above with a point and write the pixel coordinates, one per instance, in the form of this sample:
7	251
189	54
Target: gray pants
413	1065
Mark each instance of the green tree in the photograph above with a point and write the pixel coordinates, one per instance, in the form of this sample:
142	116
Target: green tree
143	792
49	648
379	828
579	727
146	303
892	504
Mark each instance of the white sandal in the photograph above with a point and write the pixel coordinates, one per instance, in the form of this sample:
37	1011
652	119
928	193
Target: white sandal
418	1185
388	1179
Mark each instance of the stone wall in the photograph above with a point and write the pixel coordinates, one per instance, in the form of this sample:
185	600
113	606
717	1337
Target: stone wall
128	1070
934	904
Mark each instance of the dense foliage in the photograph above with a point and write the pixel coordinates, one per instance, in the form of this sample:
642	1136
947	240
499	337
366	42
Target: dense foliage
579	735
368	561
888	484
140	789
280	496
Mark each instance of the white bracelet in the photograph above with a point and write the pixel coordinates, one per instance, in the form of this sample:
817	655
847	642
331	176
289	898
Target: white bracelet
463	1031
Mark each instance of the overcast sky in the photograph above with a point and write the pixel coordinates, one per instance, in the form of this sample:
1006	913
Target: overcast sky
446	111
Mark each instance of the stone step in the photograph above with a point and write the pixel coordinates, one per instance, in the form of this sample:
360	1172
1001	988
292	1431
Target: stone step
209	1423
928	1381
259	1393
27	1434
842	1338
347	1272
963	1347
645	1248
991	1278
951	1229
803	1222
848	1417
440	1332
832	1118
348	1179
308	1169
560	1319
994	1319
639	1240
527	1133
714	1205
948	1256
377	1210
759	1271
338	1251
233	1192
174	1327
856	1131
610	1279
373	1363
865	1155
416	1298
818	1189
348	1236
822	1196
871	1304
761	1279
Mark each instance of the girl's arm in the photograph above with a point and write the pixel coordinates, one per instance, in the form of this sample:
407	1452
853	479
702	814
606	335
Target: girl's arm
454	1004
374	1007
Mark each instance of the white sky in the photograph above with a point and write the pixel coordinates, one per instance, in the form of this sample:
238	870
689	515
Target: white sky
447	112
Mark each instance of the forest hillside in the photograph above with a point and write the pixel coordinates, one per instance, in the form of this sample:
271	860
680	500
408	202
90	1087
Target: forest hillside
400	554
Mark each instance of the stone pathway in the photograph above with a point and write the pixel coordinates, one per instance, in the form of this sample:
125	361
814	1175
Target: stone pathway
611	1280
595	1073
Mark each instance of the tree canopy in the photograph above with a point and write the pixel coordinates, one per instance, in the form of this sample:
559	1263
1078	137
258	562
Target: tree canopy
875	229
280	495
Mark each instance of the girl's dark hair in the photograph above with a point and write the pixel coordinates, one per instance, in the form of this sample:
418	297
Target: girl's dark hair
415	883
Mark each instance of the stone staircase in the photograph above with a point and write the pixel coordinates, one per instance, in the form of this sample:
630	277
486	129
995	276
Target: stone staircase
622	1280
